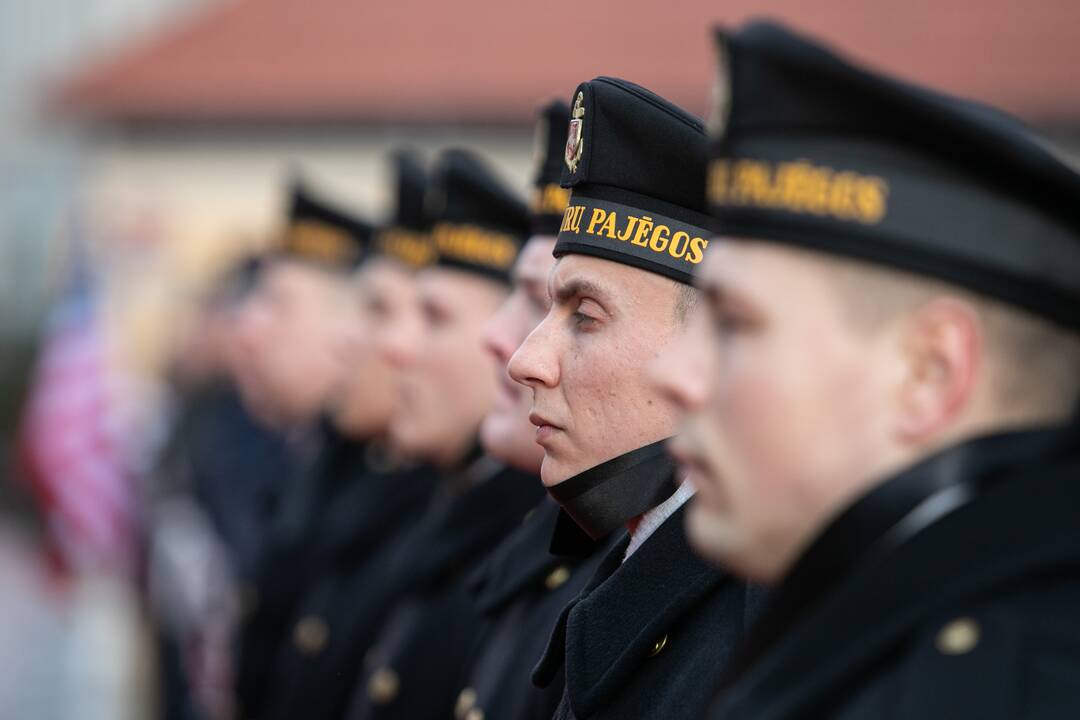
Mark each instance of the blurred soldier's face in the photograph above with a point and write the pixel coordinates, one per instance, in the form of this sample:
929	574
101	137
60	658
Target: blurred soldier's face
241	366
506	431
292	325
382	294
587	363
785	405
447	378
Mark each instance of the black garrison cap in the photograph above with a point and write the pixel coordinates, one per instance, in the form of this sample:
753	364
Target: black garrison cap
407	238
549	198
634	162
321	233
478	223
810	150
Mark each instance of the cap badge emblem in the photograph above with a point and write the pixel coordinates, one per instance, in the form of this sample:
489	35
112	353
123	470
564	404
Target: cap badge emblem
574	141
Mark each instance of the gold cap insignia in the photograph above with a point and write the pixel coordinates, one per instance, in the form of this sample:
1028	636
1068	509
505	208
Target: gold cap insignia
575	143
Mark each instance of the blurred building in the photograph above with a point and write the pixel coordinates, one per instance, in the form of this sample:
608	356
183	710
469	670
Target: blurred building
41	161
187	131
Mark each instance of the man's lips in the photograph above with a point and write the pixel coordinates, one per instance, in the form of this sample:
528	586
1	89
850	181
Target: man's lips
544	427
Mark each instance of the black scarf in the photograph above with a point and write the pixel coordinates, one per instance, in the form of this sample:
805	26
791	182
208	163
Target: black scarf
603	498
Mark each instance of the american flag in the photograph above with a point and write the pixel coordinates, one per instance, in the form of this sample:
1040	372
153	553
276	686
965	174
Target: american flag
72	447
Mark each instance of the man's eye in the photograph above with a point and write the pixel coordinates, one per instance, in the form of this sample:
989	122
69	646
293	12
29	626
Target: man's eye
728	324
582	320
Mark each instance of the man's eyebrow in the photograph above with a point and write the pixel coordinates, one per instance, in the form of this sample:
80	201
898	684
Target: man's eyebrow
712	292
718	296
575	287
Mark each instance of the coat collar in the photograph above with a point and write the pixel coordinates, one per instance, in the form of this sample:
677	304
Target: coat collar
984	544
611	629
603	498
371	507
520	562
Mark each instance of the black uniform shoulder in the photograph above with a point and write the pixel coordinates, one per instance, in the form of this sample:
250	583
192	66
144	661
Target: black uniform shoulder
1015	654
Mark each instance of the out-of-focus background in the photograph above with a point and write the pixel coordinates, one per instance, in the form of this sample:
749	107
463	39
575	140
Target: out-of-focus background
147	144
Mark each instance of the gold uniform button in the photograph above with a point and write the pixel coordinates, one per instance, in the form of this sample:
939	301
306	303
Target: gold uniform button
958	637
466	701
310	634
660	645
475	714
383	686
557	577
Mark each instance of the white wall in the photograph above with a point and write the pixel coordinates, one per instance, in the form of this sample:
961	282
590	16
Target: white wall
40	161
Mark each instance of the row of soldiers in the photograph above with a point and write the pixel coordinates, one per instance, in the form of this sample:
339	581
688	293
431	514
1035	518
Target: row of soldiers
770	418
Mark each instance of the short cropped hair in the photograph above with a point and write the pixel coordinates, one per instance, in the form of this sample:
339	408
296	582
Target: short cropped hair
1037	361
686	299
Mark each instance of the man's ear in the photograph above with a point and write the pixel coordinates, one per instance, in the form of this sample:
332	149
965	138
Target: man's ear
943	356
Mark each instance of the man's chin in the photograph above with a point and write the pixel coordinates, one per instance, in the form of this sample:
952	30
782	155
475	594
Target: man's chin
710	534
408	440
550	474
555	469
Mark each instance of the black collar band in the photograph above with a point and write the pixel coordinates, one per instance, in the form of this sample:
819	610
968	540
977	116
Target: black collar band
605	497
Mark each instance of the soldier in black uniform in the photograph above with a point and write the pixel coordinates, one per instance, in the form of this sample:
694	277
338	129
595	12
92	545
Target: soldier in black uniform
882	424
294	325
646	635
523	586
220	453
215	483
417	665
348	594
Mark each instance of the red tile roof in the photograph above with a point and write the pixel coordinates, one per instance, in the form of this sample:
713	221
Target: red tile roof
495	60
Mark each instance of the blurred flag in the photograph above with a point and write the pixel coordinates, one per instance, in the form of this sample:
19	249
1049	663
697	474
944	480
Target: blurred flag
71	446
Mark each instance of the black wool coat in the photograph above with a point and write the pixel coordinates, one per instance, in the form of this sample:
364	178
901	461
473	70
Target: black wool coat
349	592
416	667
521	590
287	561
647	636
